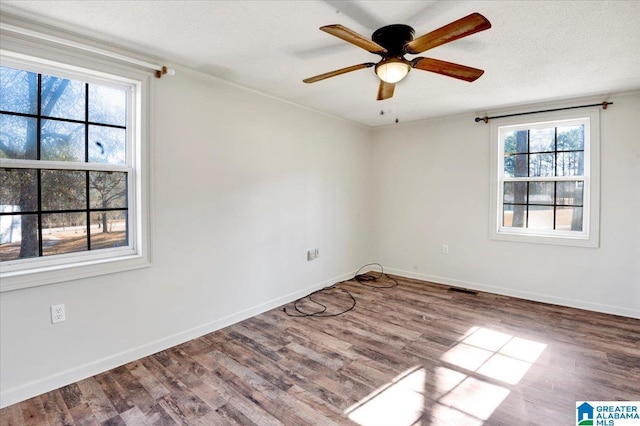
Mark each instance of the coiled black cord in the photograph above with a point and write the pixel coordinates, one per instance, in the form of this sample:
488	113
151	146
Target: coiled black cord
364	279
323	310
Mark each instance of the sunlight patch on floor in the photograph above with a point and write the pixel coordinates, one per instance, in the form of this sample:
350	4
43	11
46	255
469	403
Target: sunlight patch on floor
468	398
493	354
475	378
398	403
447	416
474	397
504	368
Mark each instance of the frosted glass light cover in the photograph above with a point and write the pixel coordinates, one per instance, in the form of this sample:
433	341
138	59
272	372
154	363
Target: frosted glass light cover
392	72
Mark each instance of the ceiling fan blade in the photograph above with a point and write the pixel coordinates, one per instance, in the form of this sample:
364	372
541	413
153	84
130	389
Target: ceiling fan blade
449	69
385	90
354	38
338	72
463	27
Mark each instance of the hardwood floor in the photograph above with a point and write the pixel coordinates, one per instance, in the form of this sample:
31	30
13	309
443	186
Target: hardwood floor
415	354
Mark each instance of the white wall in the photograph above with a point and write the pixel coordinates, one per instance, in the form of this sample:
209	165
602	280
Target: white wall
242	186
431	187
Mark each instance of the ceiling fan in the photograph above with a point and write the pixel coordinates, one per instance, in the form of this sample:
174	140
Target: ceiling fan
392	42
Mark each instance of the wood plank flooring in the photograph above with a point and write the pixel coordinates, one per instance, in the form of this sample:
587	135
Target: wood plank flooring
415	354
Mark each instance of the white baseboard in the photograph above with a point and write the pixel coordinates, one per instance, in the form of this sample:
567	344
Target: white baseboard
63	378
537	297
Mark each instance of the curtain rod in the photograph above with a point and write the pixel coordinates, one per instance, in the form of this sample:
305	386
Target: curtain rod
486	119
159	69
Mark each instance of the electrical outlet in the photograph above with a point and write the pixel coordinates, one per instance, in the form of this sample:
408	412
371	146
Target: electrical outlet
312	254
445	249
57	313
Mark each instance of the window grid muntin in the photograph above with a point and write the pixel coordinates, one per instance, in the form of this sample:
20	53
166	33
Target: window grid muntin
528	153
66	120
554	205
584	178
76	165
87	210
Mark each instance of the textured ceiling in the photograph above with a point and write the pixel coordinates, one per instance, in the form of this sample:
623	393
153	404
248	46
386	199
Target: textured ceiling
535	51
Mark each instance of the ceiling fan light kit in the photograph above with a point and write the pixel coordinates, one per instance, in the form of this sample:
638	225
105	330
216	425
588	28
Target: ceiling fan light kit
392	42
392	70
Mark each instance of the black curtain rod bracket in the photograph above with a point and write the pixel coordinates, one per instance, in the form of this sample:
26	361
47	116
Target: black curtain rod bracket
486	119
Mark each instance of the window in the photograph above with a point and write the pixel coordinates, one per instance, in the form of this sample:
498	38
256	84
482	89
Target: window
545	174
72	171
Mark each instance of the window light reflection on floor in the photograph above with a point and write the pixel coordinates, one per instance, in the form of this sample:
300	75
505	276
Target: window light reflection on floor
493	354
474	397
460	394
489	353
400	402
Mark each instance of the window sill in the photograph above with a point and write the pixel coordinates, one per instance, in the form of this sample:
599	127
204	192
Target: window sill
54	274
577	241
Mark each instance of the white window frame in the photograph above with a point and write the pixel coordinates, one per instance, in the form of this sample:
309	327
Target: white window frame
589	237
23	273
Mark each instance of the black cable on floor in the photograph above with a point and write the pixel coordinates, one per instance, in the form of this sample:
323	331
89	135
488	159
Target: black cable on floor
322	312
364	279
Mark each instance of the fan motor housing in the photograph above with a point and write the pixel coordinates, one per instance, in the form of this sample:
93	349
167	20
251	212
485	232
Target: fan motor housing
393	38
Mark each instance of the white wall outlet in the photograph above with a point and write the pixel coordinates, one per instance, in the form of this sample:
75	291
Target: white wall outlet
445	249
57	313
312	254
